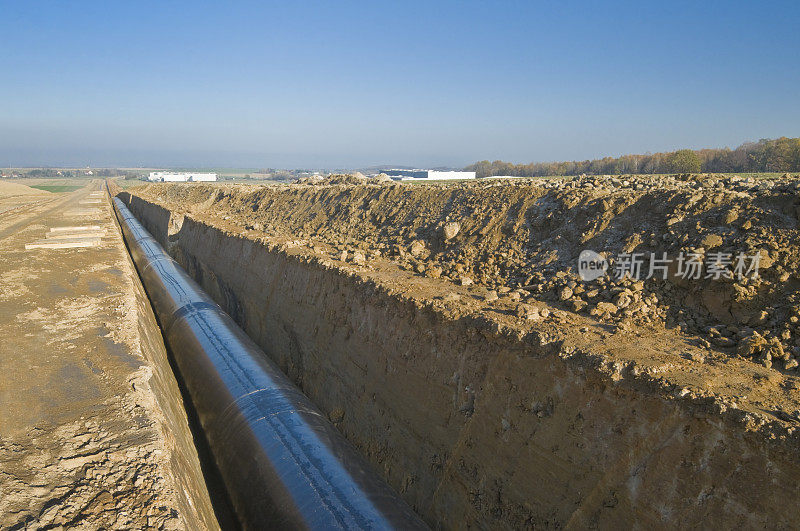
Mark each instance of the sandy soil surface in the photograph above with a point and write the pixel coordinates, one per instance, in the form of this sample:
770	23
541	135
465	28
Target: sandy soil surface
83	441
14	195
12	189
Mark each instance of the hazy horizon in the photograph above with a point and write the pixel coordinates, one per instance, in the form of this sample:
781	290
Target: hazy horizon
356	84
256	167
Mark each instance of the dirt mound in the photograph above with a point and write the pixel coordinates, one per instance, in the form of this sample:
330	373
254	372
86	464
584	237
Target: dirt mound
9	189
335	178
523	238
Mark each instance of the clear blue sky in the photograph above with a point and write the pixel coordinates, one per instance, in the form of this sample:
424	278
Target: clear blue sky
350	84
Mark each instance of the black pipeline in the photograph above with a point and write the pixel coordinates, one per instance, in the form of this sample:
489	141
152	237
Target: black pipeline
283	464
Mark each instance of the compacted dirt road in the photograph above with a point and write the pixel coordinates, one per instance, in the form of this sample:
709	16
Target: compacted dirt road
86	437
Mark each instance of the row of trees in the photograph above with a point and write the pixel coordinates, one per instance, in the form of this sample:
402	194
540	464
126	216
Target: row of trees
779	155
52	173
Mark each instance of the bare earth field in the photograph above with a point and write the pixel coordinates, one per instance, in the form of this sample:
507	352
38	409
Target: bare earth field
92	430
445	329
14	196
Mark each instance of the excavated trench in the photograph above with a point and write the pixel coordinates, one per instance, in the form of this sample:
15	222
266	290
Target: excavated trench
475	427
283	465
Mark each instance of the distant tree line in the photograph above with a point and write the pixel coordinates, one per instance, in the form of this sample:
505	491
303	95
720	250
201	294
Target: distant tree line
779	155
54	173
47	172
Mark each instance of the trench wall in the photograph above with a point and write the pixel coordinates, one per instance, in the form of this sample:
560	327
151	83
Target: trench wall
475	429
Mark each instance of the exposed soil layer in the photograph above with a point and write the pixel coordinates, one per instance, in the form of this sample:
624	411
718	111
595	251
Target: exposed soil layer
445	330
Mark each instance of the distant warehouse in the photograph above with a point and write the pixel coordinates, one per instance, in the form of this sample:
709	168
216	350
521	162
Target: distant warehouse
430	175
181	177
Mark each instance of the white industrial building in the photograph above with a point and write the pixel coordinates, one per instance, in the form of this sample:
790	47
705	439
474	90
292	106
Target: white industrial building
429	175
181	177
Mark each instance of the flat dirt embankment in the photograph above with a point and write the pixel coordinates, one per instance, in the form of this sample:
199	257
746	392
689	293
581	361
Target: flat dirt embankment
93	433
445	331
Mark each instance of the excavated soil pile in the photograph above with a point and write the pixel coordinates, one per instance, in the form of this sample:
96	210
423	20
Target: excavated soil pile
447	332
9	189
